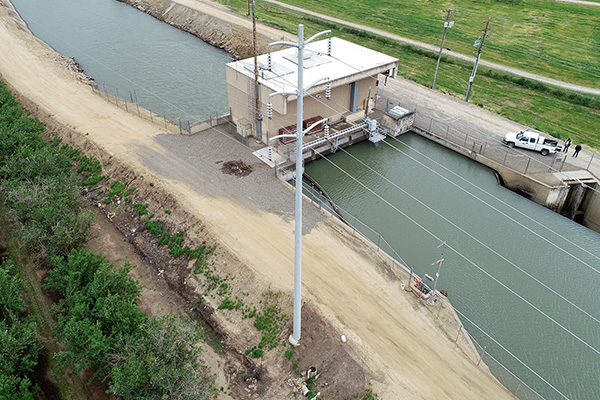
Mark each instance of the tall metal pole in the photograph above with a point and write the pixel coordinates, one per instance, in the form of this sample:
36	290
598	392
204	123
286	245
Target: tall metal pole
295	336
447	24
482	37
298	233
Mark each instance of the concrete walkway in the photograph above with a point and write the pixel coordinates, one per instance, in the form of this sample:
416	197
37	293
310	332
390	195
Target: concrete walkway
435	49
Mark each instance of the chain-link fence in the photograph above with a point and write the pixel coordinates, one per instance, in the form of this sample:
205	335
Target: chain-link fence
133	107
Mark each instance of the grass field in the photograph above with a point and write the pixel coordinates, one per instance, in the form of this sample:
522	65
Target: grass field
551	38
555	39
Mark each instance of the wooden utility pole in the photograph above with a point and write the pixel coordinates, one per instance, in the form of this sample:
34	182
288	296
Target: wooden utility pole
478	42
448	23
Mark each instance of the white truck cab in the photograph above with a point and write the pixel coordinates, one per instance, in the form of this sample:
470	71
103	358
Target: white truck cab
532	141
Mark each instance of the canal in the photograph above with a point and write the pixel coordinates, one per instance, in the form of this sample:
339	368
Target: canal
163	69
514	270
524	276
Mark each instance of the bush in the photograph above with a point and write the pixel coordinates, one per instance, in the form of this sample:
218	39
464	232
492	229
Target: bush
51	212
159	361
98	307
19	346
38	185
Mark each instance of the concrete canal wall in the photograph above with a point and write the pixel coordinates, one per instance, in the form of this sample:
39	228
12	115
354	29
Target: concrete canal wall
574	197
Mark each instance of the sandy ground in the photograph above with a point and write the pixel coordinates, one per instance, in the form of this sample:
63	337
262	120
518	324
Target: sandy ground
390	333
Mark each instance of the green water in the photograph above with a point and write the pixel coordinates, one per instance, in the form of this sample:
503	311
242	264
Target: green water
162	68
523	274
507	261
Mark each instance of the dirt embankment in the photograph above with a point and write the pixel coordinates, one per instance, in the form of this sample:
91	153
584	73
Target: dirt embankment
219	32
170	284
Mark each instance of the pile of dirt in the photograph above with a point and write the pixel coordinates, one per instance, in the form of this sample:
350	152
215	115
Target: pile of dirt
236	168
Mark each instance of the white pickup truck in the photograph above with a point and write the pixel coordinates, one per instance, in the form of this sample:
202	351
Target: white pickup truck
532	141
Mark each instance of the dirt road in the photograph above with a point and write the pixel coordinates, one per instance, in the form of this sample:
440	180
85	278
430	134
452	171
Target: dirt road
389	332
221	12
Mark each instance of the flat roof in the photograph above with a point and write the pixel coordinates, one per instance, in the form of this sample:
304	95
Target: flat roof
346	59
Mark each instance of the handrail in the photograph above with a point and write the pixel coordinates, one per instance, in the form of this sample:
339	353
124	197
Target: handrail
334	136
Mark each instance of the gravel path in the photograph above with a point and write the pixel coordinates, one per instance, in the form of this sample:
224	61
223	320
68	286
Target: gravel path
198	161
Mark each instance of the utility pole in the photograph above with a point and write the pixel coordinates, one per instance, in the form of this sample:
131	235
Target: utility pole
448	23
478	42
258	114
299	93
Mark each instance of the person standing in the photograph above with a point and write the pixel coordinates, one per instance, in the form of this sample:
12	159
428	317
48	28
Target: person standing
567	144
577	150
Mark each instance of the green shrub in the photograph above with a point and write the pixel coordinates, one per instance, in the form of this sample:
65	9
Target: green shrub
98	306
115	189
19	345
160	361
257	353
38	185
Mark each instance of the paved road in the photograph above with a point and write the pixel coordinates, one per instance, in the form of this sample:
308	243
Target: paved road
515	71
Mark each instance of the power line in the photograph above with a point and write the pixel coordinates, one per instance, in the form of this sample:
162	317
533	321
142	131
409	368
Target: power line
471	236
535	160
509	352
501	201
307	188
506	215
502	213
466	258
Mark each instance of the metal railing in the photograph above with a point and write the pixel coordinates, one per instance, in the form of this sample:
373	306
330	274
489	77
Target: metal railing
132	106
522	161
